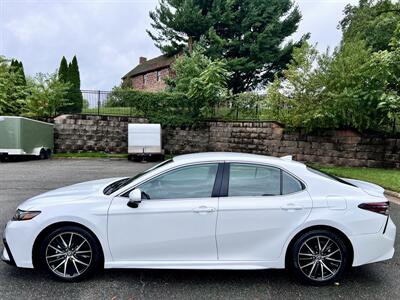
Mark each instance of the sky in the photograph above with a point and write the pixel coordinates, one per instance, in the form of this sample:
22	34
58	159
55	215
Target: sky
108	36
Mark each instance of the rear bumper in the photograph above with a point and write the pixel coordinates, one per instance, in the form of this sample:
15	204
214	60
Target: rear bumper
370	248
6	255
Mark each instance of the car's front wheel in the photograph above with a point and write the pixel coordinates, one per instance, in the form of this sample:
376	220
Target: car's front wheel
70	253
319	257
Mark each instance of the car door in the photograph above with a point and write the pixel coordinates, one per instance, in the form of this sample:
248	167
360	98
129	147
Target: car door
260	207
177	222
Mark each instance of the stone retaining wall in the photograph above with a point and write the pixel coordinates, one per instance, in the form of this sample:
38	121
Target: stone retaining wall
74	133
343	148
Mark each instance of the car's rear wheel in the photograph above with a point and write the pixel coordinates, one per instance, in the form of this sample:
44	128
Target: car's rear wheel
43	154
70	253
319	257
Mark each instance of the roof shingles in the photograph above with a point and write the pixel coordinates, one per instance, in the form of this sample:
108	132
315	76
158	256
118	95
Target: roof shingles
153	64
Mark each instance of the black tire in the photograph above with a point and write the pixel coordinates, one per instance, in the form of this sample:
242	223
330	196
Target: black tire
78	266
43	154
315	261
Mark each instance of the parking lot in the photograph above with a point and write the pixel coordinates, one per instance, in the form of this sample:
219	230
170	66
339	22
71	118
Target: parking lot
21	180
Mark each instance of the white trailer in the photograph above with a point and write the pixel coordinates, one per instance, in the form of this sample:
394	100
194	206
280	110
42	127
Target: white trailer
144	140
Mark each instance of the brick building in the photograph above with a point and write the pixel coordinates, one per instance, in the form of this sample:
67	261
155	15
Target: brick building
149	75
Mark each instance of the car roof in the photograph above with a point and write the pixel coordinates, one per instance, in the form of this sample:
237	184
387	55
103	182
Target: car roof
233	156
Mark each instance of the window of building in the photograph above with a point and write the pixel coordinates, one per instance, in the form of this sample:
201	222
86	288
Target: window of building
158	75
144	79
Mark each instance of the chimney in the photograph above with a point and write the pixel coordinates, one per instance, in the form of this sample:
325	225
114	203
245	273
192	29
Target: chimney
142	60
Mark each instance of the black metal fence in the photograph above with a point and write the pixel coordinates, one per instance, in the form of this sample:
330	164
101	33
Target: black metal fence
98	103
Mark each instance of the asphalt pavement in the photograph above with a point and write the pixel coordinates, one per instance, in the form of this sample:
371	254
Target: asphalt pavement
21	180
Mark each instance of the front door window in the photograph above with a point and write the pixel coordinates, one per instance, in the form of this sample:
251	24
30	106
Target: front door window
187	182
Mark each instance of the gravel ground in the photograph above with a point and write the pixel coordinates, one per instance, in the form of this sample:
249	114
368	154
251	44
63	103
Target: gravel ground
21	180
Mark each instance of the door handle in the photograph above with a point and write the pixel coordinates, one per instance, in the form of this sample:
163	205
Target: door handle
291	207
203	209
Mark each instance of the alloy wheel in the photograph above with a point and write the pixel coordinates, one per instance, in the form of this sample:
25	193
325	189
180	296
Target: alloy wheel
320	258
69	255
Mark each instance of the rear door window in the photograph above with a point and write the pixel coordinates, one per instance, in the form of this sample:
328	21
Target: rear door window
260	180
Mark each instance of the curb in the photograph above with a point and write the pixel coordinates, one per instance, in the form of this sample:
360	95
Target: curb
394	196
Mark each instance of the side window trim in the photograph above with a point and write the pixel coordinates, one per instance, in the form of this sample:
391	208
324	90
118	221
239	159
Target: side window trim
225	180
218	181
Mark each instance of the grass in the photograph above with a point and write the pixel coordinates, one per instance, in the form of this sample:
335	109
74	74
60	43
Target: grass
387	178
89	155
221	113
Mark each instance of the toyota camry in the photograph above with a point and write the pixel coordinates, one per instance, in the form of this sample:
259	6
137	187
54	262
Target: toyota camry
206	211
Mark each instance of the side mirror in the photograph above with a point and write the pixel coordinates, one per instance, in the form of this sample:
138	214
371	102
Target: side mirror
135	198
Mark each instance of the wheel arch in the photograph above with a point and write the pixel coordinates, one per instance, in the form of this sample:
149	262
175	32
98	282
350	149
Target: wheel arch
340	233
39	239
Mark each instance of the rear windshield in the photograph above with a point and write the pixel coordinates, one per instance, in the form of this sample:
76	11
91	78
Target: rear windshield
329	176
124	182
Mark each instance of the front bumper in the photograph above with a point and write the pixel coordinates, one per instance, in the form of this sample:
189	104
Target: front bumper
6	255
18	239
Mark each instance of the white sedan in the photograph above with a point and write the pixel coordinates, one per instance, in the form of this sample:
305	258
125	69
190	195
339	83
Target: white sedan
206	211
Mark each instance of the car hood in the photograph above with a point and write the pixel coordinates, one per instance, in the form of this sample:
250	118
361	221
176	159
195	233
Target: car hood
69	193
368	187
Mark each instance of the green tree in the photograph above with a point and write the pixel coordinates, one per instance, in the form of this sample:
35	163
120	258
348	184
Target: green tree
186	68
179	23
75	95
69	73
13	91
17	67
353	88
298	99
373	21
388	63
202	79
47	95
63	70
22	72
248	33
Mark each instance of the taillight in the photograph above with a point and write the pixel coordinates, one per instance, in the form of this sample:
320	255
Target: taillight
378	207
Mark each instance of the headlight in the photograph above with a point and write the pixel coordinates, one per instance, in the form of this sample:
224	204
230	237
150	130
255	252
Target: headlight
22	215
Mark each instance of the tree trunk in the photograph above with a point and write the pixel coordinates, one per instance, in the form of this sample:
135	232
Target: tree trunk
190	44
394	124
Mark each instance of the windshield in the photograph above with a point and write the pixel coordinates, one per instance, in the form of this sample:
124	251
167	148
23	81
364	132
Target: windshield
115	186
327	175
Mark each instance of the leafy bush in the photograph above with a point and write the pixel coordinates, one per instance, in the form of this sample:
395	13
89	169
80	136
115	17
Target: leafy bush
41	96
164	107
297	99
351	88
202	79
47	95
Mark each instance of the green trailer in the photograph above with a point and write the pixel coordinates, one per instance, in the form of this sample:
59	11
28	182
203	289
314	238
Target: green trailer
23	136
